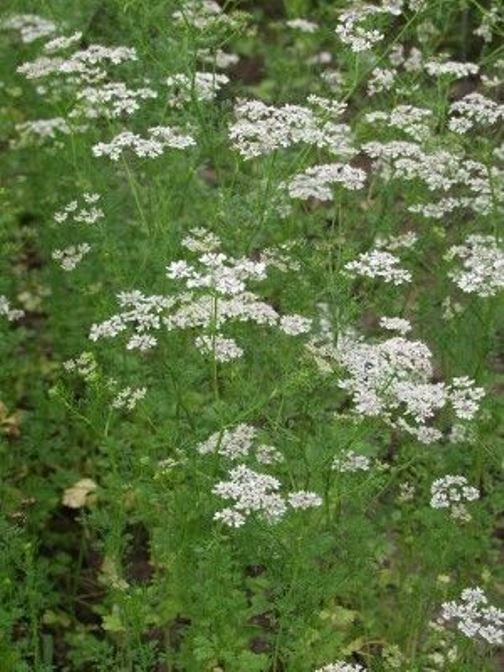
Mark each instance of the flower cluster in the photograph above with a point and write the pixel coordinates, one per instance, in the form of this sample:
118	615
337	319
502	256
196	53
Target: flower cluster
351	462
465	397
341	666
221	59
316	181
303	25
222	297
378	264
253	492
40	130
215	345
142	312
11	314
399	242
236	444
475	617
482	271
81	77
489	22
84	365
398	324
261	129
29	26
392	380
128	398
231	443
474	109
453	69
450	492
83	65
71	256
203	15
215	292
62	43
85	212
399	159
351	30
381	79
159	139
201	86
110	100
412	120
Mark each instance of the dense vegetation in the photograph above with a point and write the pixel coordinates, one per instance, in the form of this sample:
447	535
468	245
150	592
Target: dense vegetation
249	407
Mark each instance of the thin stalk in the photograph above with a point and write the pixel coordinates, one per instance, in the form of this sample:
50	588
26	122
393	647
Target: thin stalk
215	378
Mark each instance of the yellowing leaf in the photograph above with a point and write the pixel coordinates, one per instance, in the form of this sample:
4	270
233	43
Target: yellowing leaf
77	495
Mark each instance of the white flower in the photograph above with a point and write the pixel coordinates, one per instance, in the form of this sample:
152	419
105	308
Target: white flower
474	109
341	666
334	107
202	14
378	264
128	398
231	443
40	130
351	462
351	30
81	66
392	380
454	69
382	79
450	492
474	617
214	292
62	42
200	240
202	86
398	324
411	120
392	243
71	256
303	25
30	26
293	325
398	159
11	314
465	397
260	129
83	213
253	492
84	365
220	58
482	271
230	517
489	22
160	138
224	349
268	454
304	499
142	342
318	181
110	100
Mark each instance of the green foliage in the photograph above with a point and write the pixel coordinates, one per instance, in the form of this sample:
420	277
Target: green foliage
139	577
